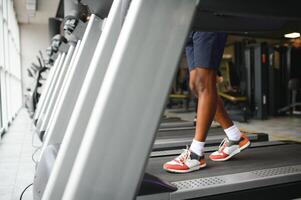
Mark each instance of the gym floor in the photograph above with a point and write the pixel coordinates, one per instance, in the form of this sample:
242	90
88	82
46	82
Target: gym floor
17	147
16	165
278	128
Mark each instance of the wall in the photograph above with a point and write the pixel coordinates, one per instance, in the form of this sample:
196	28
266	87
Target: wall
34	37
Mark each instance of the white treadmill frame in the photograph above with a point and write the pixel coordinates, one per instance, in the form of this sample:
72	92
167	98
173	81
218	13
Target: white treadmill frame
84	105
113	153
53	94
52	80
45	116
73	83
48	83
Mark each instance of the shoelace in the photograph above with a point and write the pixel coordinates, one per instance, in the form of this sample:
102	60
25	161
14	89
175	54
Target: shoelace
223	144
184	155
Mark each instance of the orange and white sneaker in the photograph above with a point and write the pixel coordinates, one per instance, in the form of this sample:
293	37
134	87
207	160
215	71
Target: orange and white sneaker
244	142
228	149
185	162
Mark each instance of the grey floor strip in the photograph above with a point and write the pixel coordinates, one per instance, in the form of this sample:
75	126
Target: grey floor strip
234	182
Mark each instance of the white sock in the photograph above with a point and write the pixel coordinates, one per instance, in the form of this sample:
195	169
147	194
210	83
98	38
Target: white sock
197	147
233	133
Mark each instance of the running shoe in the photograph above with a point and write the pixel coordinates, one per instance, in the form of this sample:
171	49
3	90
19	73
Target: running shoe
228	149
186	162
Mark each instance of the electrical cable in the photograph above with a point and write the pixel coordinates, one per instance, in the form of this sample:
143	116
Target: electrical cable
21	196
33	154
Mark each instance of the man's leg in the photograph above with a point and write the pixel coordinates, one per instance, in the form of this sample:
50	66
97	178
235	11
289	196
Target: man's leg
189	160
210	105
204	52
203	85
221	115
235	141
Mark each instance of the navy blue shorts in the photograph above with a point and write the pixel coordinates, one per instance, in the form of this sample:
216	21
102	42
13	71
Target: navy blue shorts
205	49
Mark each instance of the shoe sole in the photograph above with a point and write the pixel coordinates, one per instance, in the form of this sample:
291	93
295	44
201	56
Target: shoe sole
227	158
188	170
245	146
234	153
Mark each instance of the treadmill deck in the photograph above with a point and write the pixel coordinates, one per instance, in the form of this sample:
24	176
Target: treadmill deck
189	132
248	160
254	168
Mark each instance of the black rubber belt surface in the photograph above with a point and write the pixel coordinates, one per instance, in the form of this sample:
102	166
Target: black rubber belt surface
248	160
187	133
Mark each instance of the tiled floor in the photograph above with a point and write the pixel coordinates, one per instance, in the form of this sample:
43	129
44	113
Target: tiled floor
17	167
279	128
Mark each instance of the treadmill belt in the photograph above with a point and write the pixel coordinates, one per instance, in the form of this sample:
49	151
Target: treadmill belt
187	133
171	119
177	124
251	159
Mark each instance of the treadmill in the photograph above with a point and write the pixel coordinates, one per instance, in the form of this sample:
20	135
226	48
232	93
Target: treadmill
265	170
180	137
170	119
103	172
174	122
176	133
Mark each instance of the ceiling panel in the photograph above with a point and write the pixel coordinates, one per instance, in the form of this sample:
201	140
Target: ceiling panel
45	9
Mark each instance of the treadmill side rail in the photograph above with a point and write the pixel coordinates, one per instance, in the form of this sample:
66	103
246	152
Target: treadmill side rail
144	57
46	115
203	187
84	105
48	83
74	82
41	113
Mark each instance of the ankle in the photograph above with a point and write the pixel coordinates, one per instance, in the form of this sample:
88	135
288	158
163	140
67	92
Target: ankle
197	147
233	133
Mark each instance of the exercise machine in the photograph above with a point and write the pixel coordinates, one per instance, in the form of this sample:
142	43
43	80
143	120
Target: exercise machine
86	167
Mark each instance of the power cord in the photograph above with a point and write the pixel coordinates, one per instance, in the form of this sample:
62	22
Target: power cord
21	196
34	153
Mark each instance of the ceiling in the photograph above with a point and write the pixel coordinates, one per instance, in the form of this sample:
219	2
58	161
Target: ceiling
44	10
269	28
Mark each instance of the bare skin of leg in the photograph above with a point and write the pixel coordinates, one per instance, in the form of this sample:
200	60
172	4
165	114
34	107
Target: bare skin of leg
203	85
221	115
210	106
